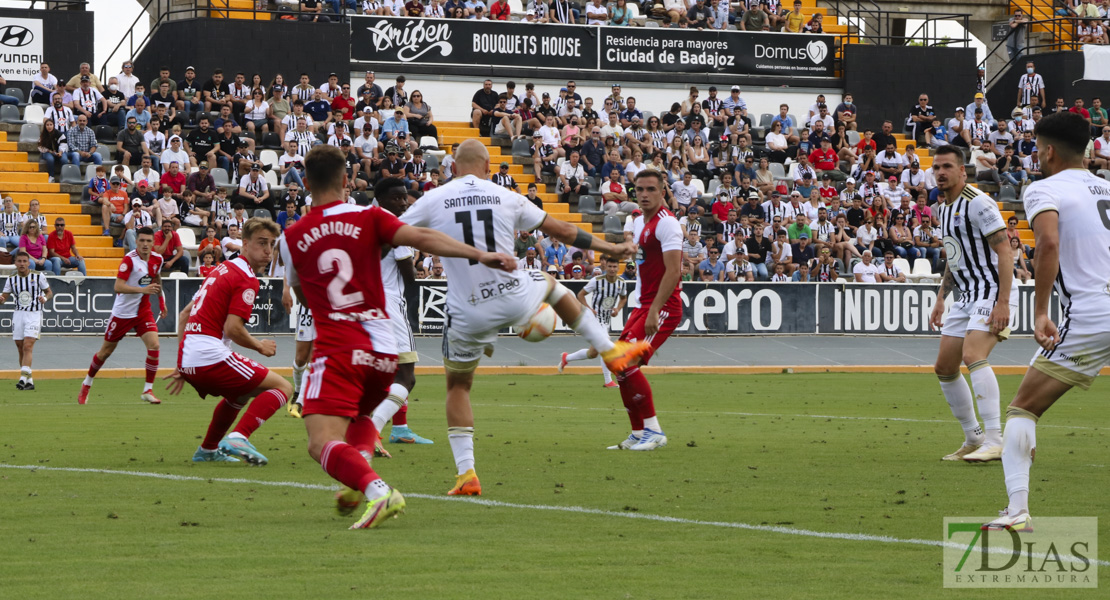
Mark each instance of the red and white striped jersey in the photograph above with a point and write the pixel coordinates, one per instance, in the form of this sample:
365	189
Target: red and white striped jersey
139	273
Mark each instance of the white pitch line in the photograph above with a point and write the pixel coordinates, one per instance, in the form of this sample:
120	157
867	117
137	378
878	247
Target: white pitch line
832	535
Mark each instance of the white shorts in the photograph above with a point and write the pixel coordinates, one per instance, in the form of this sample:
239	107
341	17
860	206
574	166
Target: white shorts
306	327
975	316
464	344
399	318
26	324
1078	358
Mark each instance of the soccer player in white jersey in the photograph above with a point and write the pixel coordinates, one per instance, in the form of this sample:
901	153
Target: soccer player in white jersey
302	352
32	292
1070	215
607	296
978	272
397	272
481	301
137	279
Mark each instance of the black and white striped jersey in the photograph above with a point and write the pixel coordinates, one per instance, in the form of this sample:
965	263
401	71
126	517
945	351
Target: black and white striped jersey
26	290
604	296
965	224
10	223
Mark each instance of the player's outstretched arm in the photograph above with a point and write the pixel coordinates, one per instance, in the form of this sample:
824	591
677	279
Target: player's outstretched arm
235	328
440	244
576	237
1046	264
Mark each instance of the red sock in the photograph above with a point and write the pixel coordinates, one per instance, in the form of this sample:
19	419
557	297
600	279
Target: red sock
222	418
362	435
263	407
95	366
401	418
636	396
151	365
344	463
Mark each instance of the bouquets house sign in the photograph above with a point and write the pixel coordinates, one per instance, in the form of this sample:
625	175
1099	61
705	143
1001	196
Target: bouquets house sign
464	42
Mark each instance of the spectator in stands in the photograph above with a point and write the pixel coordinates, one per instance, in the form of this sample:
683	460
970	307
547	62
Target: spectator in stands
420	118
175	153
1101	156
129	143
43	85
88	101
826	161
984	160
482	105
82	141
619	14
846	113
980	103
33	242
50	150
615	195
596	13
1010	169
630	112
257	113
927	243
168	244
754	19
135	219
890	162
113	204
815	24
758	252
202	184
254	191
116	104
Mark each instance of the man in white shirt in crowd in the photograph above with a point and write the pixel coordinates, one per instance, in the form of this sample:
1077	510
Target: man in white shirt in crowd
866	271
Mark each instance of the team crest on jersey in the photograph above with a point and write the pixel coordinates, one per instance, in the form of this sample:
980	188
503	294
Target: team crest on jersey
248	296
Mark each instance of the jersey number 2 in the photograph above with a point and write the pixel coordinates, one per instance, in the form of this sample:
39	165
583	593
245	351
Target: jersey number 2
339	262
485	216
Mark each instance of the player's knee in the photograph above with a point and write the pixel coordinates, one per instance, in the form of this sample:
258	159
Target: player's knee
945	370
285	387
315	448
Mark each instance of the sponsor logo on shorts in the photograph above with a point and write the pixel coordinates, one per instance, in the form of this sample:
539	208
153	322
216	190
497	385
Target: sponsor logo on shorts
1079	361
372	314
366	359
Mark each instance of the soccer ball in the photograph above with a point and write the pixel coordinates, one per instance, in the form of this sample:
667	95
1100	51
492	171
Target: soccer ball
540	326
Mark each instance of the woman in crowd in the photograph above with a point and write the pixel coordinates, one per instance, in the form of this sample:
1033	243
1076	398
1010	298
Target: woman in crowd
1022	267
620	14
419	114
279	82
33	214
764	178
257	112
676	170
844	149
656	133
901	238
776	143
697	159
34	243
50	148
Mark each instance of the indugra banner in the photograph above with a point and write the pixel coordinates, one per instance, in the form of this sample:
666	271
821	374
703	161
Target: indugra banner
85	307
466	42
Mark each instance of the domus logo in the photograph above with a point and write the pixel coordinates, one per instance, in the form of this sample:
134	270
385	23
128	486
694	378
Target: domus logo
817	51
412	40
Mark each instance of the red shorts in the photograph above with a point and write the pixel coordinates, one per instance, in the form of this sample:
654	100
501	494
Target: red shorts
348	383
118	327
235	377
669	319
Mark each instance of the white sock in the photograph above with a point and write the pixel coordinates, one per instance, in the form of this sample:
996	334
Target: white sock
1018	446
88	380
235	435
25	371
958	395
376	489
147	387
588	327
462	446
652	423
987	398
298	375
605	371
582	354
638	433
397	397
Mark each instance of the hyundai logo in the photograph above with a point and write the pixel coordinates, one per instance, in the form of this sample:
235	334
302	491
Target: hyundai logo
16	36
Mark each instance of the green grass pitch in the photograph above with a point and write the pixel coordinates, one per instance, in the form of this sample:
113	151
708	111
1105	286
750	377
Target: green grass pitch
850	454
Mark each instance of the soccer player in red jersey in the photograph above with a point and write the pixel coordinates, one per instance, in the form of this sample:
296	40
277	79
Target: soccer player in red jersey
659	283
137	279
217	316
332	260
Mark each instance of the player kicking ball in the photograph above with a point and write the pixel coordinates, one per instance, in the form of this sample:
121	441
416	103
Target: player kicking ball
137	279
332	262
979	273
607	296
1070	215
32	292
659	284
216	317
482	301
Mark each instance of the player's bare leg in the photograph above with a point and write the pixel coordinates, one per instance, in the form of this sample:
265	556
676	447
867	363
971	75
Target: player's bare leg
958	394
395	407
150	340
344	463
618	356
1036	395
588	353
26	349
98	360
460	428
270	396
301	356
